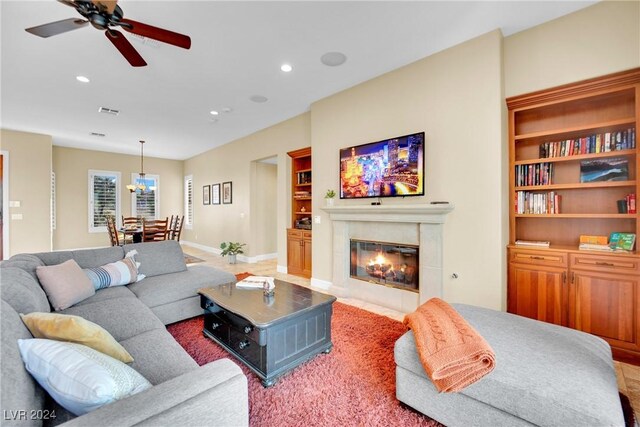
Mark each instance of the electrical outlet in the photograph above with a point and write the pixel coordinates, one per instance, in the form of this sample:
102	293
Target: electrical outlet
316	219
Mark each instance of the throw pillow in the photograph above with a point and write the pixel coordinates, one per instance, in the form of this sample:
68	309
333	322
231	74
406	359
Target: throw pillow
79	378
116	273
65	284
64	327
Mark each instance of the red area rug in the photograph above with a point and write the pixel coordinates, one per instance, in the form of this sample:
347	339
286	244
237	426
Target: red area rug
354	385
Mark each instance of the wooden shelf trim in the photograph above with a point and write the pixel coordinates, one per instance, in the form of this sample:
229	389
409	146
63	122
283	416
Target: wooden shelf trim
581	129
575	158
580	215
303	213
302	198
303	170
587	88
577	186
303	185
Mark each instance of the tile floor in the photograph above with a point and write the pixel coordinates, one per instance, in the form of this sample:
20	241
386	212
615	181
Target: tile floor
628	375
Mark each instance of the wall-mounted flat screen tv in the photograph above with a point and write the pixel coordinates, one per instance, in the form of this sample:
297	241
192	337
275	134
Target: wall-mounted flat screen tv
390	168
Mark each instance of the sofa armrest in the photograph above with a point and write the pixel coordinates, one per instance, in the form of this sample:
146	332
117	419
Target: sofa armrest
214	394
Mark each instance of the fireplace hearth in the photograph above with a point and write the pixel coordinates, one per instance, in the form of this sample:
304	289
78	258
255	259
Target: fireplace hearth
389	264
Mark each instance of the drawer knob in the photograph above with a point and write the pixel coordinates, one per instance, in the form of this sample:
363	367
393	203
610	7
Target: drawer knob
247	329
243	344
536	257
215	325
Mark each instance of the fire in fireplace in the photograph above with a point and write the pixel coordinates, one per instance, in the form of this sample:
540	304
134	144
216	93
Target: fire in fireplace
388	264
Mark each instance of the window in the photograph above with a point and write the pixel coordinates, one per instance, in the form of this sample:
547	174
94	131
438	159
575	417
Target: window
104	199
146	204
188	201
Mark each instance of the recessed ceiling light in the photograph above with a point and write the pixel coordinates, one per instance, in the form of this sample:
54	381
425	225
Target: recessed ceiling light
286	68
214	113
259	99
333	59
82	79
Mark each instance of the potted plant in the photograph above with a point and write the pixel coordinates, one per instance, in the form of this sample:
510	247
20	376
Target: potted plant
232	249
329	197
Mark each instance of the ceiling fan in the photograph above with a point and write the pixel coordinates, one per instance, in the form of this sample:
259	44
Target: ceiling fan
107	15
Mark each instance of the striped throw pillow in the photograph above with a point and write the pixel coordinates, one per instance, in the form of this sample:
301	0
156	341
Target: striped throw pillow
116	273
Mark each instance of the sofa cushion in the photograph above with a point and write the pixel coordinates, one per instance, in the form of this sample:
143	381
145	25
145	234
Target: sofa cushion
157	258
19	391
65	284
159	290
27	262
22	291
90	258
545	374
79	378
108	293
65	327
157	356
121	317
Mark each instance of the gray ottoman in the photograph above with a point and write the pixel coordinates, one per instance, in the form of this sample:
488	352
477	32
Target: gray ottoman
545	375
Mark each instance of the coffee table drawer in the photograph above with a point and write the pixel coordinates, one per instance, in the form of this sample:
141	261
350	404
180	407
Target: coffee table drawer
239	324
250	351
216	326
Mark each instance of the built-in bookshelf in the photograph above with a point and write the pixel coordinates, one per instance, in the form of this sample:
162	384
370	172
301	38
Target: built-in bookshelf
574	165
299	235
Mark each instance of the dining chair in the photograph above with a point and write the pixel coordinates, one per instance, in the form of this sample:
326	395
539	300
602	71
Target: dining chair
130	221
113	231
154	230
176	228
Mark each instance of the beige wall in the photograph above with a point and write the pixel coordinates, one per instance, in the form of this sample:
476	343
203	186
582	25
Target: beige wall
598	40
455	97
72	167
214	224
30	184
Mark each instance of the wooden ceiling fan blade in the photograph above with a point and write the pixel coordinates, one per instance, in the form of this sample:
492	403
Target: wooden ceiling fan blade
106	5
58	27
156	33
126	49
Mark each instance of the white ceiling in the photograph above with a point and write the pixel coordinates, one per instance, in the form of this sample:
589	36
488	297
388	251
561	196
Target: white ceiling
237	49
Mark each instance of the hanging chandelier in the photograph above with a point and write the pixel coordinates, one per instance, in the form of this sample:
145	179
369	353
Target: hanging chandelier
140	182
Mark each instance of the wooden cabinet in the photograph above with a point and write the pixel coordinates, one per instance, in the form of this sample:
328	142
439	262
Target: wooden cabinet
299	235
299	252
555	136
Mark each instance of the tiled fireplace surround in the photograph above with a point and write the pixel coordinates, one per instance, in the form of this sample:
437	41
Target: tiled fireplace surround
406	224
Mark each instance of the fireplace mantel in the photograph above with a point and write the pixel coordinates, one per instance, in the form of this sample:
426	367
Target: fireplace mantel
417	224
419	214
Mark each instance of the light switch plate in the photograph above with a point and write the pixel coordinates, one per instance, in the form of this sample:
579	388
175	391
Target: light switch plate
14	203
316	219
16	216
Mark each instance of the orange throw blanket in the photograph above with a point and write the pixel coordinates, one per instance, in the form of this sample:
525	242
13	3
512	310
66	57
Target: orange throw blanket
452	353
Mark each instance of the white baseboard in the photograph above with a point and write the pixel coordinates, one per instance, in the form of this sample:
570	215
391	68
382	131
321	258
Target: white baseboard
241	258
320	284
282	269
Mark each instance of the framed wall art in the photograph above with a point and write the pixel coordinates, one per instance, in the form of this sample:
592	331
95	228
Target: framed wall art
226	193
215	194
206	194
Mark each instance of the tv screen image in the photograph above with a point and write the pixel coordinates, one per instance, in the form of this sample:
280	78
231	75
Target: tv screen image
390	168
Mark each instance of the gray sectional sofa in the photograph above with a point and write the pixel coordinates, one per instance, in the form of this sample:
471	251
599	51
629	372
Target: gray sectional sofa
182	394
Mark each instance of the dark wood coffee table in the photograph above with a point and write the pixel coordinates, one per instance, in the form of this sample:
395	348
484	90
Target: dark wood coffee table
270	334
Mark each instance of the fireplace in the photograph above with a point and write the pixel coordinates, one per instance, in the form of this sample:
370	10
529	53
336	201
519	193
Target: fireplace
389	264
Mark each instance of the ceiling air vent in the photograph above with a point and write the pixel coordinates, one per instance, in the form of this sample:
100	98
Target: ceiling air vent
108	111
97	134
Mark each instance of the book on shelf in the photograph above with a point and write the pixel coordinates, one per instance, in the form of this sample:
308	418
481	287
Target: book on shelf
622	241
256	282
542	244
631	203
594	143
593	240
595	247
528	202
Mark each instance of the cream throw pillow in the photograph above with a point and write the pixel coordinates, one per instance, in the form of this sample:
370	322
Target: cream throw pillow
65	284
64	327
79	378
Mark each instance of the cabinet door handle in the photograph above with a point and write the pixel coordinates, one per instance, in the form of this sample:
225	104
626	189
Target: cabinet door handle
536	257
573	277
564	277
608	264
